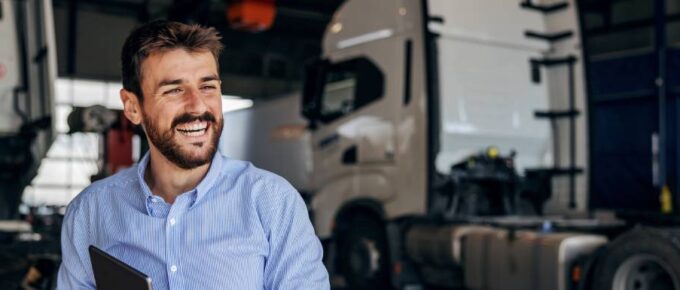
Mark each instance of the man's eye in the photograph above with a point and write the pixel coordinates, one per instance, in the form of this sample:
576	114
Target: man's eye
208	87
172	91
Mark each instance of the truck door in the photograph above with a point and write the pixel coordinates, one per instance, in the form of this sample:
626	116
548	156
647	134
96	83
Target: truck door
354	139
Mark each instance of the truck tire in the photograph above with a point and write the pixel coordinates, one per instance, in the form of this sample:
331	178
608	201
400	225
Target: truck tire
641	259
362	253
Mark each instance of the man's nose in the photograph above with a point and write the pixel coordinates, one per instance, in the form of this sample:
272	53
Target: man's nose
194	101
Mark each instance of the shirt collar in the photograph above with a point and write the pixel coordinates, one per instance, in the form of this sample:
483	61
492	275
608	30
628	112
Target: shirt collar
201	189
209	180
141	168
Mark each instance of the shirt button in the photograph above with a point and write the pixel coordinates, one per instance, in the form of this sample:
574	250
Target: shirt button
173	268
172	221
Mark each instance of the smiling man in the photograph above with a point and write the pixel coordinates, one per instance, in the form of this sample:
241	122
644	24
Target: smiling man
187	216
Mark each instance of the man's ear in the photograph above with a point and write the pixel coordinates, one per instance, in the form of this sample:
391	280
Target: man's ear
132	108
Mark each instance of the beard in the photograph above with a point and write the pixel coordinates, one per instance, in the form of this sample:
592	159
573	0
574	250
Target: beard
165	142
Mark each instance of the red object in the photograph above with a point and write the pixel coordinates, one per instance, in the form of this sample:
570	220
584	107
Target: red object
119	147
3	71
251	15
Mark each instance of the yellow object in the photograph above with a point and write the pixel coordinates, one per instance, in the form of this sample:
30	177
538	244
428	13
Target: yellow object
492	152
666	200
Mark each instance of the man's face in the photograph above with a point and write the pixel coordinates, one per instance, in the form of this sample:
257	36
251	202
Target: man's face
182	106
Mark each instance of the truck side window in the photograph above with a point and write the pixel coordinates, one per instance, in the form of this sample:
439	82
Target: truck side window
338	93
350	85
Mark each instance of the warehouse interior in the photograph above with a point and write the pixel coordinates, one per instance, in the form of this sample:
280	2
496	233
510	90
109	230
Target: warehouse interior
436	144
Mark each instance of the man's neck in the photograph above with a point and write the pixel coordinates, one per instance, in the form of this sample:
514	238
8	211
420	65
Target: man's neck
167	180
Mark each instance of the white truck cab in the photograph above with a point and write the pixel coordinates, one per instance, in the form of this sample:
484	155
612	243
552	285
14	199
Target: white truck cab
386	111
403	91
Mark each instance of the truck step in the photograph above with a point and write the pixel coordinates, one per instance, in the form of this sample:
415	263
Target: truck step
546	9
548	61
557	114
550	37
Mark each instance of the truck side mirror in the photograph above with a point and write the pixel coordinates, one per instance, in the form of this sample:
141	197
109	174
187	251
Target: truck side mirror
314	80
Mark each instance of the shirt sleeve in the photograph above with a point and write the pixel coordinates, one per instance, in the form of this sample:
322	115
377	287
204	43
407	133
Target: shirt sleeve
75	272
295	252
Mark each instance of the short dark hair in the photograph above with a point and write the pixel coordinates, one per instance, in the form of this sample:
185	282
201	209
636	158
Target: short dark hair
162	35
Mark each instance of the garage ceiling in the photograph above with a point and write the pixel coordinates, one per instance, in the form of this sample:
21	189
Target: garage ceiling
255	65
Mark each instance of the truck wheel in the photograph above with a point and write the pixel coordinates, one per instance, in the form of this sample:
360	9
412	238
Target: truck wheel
362	253
642	259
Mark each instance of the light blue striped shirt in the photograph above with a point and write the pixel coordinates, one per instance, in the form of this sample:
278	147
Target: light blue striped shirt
240	228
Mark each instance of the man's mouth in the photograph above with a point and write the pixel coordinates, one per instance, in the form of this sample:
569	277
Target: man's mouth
193	129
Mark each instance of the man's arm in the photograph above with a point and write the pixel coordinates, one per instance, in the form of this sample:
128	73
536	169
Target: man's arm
295	253
75	271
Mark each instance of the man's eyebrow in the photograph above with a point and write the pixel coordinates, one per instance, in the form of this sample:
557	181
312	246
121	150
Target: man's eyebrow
210	78
180	81
169	82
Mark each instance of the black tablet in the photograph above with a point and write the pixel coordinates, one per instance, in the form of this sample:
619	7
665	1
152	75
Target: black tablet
113	274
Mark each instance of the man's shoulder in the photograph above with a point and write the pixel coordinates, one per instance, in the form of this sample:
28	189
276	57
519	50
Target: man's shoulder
271	196
259	181
102	187
241	169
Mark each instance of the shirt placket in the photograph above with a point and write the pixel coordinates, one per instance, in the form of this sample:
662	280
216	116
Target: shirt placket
173	243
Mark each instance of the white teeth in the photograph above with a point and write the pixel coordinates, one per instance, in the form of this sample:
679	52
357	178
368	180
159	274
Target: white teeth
194	133
193	129
194	126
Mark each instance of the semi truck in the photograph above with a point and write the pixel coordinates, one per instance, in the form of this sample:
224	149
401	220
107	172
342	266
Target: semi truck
27	74
449	151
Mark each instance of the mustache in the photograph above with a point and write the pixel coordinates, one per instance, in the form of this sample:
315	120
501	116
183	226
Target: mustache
187	118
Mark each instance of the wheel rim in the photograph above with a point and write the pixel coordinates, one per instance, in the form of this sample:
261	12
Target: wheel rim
644	272
364	258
